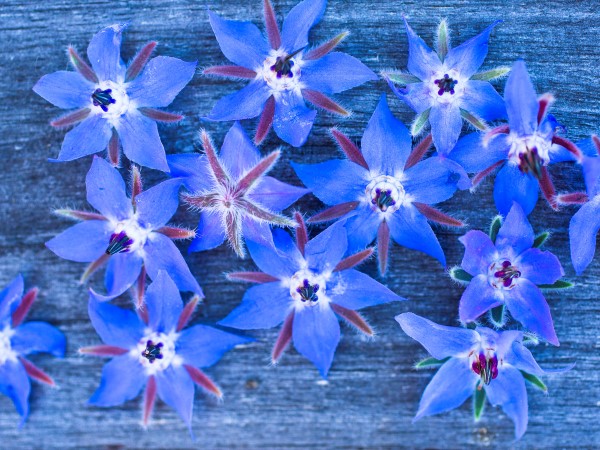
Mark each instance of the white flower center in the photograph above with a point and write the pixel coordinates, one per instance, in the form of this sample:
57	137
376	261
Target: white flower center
110	99
6	351
281	71
129	236
446	86
530	152
502	274
156	352
307	288
385	193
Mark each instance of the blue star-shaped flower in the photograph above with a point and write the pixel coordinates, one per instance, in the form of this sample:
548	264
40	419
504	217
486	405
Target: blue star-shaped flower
523	148
131	235
385	189
481	363
443	87
116	104
18	339
507	271
231	190
304	285
283	72
153	349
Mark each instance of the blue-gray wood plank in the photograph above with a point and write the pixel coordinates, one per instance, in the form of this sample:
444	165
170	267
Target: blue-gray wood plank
372	392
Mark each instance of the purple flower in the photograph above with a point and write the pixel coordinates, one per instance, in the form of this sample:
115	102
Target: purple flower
523	148
130	235
305	285
386	189
480	363
116	103
282	72
153	349
18	339
508	271
443	87
231	190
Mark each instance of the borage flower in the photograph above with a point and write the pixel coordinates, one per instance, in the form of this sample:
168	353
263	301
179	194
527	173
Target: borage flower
523	148
443	87
18	339
130	234
385	189
154	350
235	198
480	363
305	285
283	72
116	103
507	269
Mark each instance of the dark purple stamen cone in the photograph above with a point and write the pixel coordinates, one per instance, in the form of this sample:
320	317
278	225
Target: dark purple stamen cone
308	292
383	199
102	98
119	242
446	84
152	351
283	65
486	368
530	162
507	274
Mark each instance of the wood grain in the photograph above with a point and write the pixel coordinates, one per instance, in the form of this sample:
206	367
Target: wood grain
373	391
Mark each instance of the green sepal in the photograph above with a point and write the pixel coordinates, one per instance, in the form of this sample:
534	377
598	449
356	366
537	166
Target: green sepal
401	78
535	381
430	362
419	123
495	227
460	275
473	120
560	284
442	40
478	403
491	74
498	316
541	239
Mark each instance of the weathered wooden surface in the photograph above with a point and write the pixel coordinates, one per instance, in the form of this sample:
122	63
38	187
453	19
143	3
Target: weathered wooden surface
373	391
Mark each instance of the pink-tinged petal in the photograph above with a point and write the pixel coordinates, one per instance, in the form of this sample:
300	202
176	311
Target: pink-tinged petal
255	173
354	260
81	66
36	373
136	183
547	188
187	312
71	118
93	267
301	233
383	246
284	338
202	380
418	152
335	212
435	215
266	121
140	60
353	318
176	232
20	313
103	350
160	116
90	136
322	101
545	102
231	72
572	198
480	176
104	53
271	25
570	146
79	215
325	48
252	277
478	298
218	171
149	399
114	149
349	148
139	292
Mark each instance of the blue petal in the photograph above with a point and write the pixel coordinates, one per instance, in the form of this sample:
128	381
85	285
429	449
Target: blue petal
446	124
246	103
65	89
209	233
356	290
263	306
141	142
439	340
276	195
14	383
410	229
104	53
422	61
122	379
238	153
335	181
469	56
478	298
516	232
520	357
591	174
242	43
157	205
299	21
293	120
162	254
281	262
324	251
508	391
203	346
415	95
115	326
384	131
38	337
452	384
362	227
583	229
83	242
192	169
540	267
10	298
521	101
434	180
335	72
479	252
316	334
513	186
90	136
257	231
176	388
160	82
122	271
527	304
106	191
481	99
164	303
474	156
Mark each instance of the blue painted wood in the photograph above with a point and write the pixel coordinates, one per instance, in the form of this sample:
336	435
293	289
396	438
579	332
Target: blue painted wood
373	391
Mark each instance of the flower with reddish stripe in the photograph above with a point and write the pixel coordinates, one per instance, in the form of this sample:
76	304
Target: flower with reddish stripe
116	105
481	363
235	198
282	72
444	87
155	350
305	285
507	270
521	149
385	189
18	339
128	234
